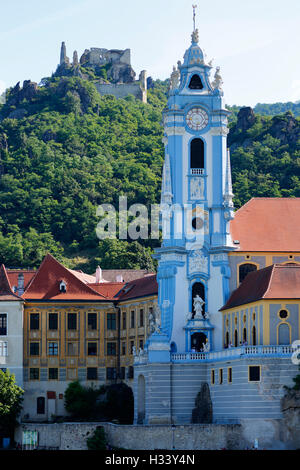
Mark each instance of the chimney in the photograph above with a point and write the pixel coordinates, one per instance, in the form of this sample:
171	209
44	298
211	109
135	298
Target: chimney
98	275
20	288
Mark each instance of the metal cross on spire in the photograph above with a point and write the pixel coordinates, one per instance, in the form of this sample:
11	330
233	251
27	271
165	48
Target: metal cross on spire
194	15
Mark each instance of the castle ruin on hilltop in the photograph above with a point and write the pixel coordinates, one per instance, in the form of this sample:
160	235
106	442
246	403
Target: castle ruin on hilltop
110	70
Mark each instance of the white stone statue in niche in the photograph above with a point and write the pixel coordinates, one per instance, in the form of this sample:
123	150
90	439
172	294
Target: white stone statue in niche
198	304
197	188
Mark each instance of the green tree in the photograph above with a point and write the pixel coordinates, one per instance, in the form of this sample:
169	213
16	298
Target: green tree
11	396
120	254
80	401
98	439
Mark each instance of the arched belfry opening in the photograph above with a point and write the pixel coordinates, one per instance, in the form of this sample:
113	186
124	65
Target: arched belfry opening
196	83
197	154
198	289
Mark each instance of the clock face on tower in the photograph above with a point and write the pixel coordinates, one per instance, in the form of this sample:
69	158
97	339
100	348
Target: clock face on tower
197	119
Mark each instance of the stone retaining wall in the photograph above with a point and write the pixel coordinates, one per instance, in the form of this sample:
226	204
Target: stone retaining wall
73	436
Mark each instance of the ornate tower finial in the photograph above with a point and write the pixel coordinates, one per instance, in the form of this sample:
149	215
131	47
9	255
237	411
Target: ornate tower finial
195	34
194	16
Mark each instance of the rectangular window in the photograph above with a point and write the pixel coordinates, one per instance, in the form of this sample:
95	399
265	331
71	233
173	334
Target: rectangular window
3	324
141	344
254	374
131	347
111	321
124	320
220	376
130	372
72	321
40	405
34	374
123	349
213	377
132	319
141	318
52	349
53	321
229	375
53	373
34	349
71	374
91	373
72	349
3	348
34	321
92	321
111	349
111	373
92	349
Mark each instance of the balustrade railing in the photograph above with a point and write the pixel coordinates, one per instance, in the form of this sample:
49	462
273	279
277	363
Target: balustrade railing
234	352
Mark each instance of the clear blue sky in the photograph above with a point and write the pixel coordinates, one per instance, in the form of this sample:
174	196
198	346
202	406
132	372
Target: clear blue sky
256	42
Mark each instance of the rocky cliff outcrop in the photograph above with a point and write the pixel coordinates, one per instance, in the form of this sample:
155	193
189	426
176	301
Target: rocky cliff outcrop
290	406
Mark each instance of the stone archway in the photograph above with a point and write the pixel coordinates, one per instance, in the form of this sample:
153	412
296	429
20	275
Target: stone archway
198	340
141	400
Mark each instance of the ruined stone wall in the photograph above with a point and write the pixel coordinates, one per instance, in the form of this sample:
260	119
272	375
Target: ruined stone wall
122	90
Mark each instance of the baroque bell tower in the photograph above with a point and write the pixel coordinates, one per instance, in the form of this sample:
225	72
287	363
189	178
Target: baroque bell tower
196	208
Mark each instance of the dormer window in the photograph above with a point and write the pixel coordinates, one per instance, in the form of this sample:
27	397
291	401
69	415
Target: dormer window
196	83
63	287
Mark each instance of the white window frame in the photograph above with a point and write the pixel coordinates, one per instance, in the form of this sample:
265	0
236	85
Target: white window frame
4	313
3	349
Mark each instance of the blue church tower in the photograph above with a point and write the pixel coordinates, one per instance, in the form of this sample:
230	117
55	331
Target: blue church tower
196	207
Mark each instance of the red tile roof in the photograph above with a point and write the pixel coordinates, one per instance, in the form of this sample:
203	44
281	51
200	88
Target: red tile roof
13	275
6	292
45	284
109	289
268	224
128	275
139	288
279	281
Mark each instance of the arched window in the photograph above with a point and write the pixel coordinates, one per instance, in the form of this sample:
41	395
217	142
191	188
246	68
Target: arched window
244	335
235	338
226	339
254	336
244	269
196	83
198	289
283	334
197	154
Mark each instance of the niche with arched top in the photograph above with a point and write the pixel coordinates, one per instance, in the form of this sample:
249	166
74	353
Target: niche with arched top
196	83
198	289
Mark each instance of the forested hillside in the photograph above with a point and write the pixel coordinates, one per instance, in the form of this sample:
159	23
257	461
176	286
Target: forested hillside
64	150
